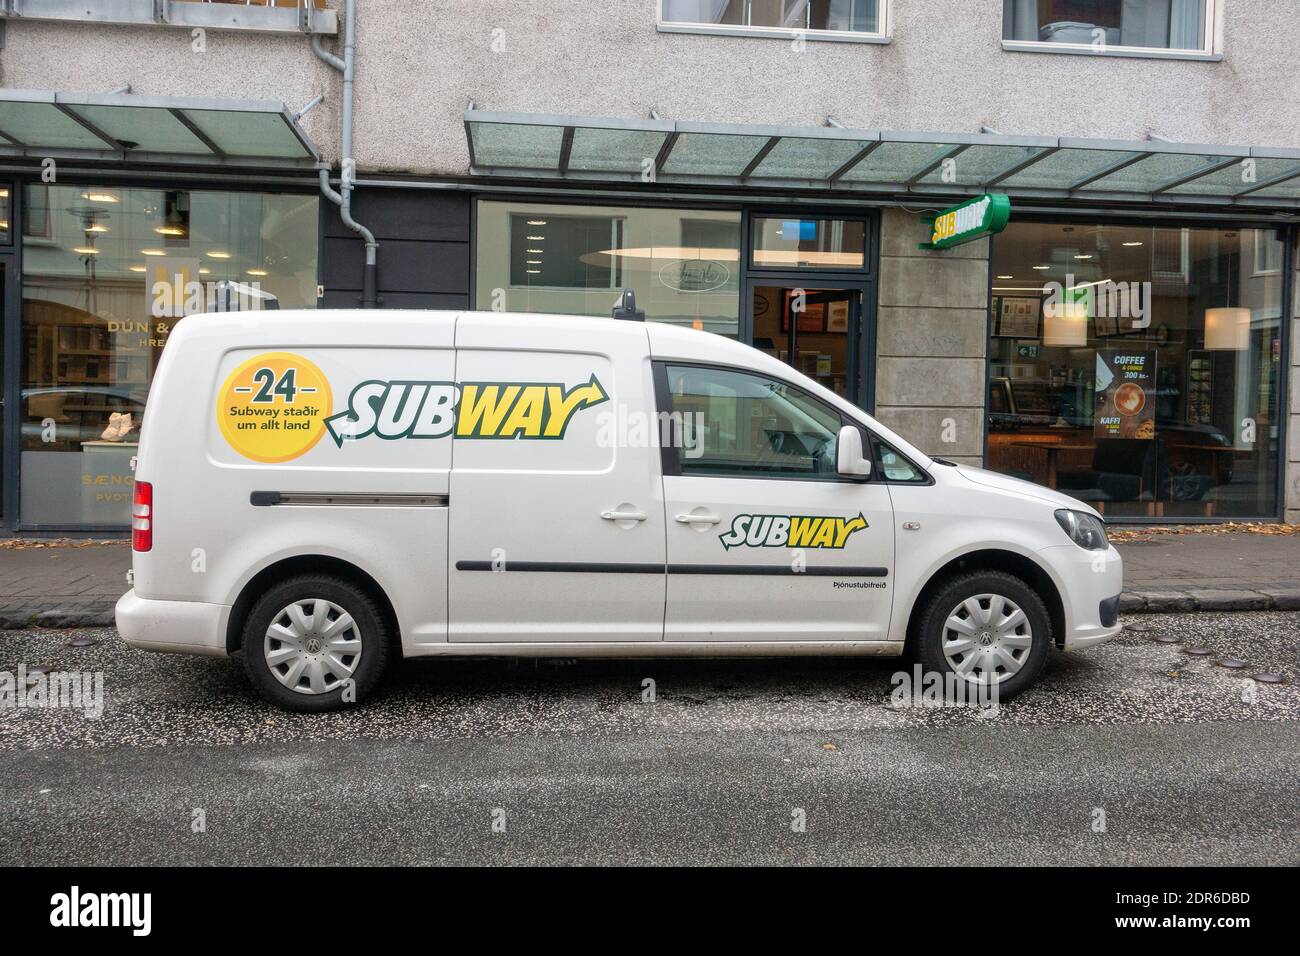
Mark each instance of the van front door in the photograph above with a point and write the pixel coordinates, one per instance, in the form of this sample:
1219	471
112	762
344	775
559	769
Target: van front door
766	542
556	505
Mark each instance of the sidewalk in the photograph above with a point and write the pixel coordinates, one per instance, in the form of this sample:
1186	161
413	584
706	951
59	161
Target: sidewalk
76	583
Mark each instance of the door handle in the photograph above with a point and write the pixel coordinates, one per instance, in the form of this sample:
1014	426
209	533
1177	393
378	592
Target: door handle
623	515
698	519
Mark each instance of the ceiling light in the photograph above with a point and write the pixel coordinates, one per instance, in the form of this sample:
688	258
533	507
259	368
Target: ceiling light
1006	277
534	272
218	254
153	252
535	252
257	272
204	271
99	197
85	250
136	268
169	230
1042	268
535	238
1083	257
533	262
536	222
96	227
1132	244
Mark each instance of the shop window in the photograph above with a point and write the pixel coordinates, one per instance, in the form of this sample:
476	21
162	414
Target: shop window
858	18
107	274
684	265
790	243
6	214
1100	26
1138	367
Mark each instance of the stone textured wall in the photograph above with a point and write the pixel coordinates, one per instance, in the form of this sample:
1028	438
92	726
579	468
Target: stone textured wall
931	340
419	64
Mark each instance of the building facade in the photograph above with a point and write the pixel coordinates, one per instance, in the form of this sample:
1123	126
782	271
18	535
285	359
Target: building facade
763	169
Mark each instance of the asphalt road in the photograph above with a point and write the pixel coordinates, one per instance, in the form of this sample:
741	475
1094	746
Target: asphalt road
1191	763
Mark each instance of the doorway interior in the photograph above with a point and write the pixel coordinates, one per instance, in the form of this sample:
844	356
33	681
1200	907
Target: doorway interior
809	297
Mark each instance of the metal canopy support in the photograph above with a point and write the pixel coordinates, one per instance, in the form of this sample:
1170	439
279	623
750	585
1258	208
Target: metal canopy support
1063	181
931	167
566	149
862	154
760	156
1102	174
1021	166
1184	180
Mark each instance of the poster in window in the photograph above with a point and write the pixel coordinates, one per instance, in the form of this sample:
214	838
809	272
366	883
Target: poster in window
837	316
1125	394
1018	317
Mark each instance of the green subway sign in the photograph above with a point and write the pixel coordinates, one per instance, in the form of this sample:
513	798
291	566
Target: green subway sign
973	219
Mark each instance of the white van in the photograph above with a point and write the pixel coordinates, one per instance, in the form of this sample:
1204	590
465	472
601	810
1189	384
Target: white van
324	491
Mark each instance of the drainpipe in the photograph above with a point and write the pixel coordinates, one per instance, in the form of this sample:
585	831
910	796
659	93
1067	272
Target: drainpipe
343	196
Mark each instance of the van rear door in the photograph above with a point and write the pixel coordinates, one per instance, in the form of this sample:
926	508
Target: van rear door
556	513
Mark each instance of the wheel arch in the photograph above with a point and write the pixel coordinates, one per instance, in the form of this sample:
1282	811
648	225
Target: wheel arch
993	559
305	564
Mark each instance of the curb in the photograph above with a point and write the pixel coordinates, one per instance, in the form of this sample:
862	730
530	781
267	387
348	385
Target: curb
59	616
1176	601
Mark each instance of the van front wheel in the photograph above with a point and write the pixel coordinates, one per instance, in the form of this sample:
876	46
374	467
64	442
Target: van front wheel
315	643
989	629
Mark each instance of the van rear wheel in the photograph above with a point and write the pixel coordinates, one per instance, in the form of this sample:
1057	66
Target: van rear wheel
989	629
315	643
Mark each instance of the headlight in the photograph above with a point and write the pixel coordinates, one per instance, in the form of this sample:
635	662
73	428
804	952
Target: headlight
1084	530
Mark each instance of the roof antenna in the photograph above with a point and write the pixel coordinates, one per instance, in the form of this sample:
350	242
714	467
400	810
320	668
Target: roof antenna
625	307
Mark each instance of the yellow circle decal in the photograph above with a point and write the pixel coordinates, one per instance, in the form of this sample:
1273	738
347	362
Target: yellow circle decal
273	407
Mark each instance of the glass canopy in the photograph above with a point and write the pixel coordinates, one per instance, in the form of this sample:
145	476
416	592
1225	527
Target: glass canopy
832	157
125	126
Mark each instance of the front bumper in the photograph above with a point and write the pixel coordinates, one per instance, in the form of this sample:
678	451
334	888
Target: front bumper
1088	580
179	627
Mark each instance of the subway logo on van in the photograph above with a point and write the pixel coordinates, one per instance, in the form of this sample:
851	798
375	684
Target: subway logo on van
392	410
790	531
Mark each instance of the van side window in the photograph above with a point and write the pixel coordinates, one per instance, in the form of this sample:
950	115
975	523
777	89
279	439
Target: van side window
740	425
891	466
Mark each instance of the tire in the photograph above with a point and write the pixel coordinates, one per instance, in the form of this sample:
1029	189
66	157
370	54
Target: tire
318	676
993	650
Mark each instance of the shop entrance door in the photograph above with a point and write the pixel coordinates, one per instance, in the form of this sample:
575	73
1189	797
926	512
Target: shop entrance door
816	327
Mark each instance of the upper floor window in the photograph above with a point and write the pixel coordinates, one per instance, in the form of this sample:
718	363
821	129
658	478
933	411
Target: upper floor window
1122	27
816	19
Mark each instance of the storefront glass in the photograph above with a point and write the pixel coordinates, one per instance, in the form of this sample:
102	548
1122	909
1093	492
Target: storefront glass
683	264
1138	367
107	273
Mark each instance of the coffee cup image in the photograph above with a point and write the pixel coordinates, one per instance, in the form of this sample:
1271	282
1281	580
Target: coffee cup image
1130	399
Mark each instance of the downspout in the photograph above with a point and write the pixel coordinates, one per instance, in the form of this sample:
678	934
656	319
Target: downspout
343	196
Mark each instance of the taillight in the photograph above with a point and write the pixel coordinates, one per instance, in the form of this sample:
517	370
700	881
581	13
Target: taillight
142	517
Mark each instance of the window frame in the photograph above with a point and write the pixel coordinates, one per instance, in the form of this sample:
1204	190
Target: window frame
670	455
882	36
1211	51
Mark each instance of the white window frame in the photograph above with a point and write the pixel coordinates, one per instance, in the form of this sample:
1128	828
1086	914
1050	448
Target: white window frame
779	33
1212	51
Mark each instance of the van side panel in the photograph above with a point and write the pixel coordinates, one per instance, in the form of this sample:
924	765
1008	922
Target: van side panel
211	538
552	446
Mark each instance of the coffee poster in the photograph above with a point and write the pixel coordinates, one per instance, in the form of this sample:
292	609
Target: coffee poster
1125	394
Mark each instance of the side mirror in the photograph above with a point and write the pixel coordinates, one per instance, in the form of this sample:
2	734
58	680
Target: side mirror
849	460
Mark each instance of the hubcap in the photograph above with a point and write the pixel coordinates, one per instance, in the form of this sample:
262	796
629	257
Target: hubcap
987	638
312	646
